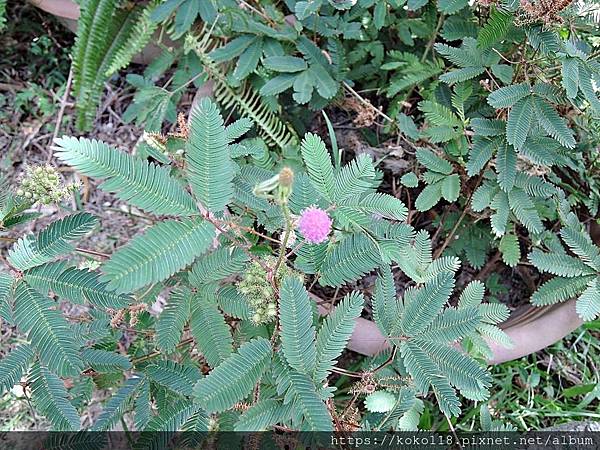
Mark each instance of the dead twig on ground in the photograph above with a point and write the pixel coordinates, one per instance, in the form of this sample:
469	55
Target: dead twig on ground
61	111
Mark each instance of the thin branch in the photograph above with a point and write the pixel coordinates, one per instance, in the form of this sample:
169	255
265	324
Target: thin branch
433	37
504	58
367	103
61	111
460	219
389	360
347	373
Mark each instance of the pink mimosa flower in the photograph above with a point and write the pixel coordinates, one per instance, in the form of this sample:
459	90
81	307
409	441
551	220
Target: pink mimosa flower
314	224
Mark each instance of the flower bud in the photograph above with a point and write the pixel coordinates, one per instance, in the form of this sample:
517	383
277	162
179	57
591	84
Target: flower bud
286	180
43	184
286	177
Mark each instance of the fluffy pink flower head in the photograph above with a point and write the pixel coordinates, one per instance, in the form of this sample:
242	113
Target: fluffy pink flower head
314	224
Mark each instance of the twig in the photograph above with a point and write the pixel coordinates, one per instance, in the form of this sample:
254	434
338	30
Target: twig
286	236
244	246
61	111
389	360
433	37
92	252
489	267
295	249
253	231
460	219
31	408
441	226
347	373
366	103
503	57
453	432
253	9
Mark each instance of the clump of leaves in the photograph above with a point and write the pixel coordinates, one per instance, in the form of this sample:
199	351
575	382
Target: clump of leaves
238	350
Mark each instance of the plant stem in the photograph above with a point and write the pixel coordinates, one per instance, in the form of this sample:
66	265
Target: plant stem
286	237
433	37
61	111
460	219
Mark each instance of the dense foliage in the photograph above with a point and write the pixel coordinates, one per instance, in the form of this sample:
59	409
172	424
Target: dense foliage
496	101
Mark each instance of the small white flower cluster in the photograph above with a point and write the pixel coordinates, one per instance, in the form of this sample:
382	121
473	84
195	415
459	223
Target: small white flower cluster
42	184
258	291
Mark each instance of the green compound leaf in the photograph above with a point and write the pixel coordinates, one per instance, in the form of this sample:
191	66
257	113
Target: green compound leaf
263	415
210	330
278	84
507	96
559	264
519	121
51	399
133	180
179	378
7	284
570	76
506	165
380	401
426	373
554	125
118	404
352	258
235	378
53	241
172	319
378	203
495	28
313	408
588	303
76	285
105	361
209	166
285	63
14	365
318	162
48	331
297	328
334	334
425	303
433	162
509	247
161	251
217	265
560	289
